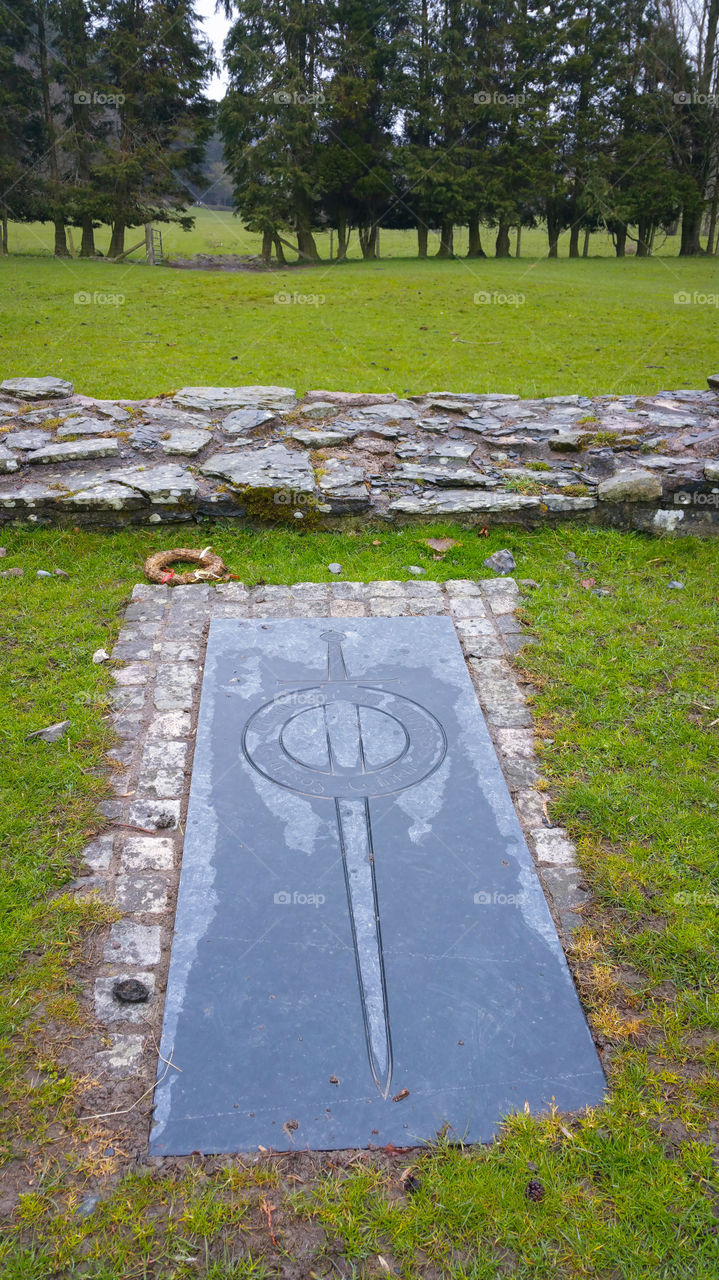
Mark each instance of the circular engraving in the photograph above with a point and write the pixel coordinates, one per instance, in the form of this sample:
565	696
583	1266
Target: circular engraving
352	764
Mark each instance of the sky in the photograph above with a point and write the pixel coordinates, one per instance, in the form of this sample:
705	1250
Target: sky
215	26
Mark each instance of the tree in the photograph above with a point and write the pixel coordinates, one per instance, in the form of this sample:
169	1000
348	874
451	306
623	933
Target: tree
22	133
156	65
269	118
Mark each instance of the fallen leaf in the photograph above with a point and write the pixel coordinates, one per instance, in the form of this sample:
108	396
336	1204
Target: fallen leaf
588	583
440	544
399	1097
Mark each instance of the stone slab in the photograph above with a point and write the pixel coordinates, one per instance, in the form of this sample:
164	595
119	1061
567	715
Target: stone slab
362	951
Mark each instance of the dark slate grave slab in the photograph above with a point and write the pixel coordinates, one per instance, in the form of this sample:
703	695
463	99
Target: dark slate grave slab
363	953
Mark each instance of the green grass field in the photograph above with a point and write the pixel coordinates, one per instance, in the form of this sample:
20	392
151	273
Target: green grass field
543	328
628	713
219	231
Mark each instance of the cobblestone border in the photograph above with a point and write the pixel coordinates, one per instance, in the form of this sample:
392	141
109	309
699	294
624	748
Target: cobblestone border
136	864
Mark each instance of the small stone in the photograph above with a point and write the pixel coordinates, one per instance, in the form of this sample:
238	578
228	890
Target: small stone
100	655
415	568
43	573
87	1206
711	469
29	438
76	450
46	388
60	573
566	442
334	567
713	381
633	485
51	733
675	586
527	584
130	991
502	561
186	440
15	572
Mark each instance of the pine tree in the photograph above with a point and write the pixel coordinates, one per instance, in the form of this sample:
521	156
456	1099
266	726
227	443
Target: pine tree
21	118
270	118
156	63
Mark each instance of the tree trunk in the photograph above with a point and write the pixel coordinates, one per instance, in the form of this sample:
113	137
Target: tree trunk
446	241
501	244
714	209
87	245
61	249
691	228
3	236
574	240
518	249
474	249
553	234
342	239
306	244
267	247
117	239
585	246
644	234
279	251
368	241
421	240
620	241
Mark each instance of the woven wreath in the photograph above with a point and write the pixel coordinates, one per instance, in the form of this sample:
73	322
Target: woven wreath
211	567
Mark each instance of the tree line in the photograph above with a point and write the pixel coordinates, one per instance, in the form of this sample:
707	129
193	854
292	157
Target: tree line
353	115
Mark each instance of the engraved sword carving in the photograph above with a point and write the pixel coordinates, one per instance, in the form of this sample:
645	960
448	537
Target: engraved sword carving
363	741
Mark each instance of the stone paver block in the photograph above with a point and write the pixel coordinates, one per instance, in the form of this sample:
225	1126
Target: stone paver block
564	884
125	1055
530	807
554	846
385	607
134	673
132	943
514	742
502	594
461	587
467	607
147	853
169	724
109	1009
156	815
143	893
98	855
347	609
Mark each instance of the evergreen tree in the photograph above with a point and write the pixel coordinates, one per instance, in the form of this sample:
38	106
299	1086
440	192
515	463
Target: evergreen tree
270	118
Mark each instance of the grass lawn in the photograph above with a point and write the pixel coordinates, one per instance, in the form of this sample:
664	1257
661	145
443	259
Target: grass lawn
628	714
219	231
544	328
